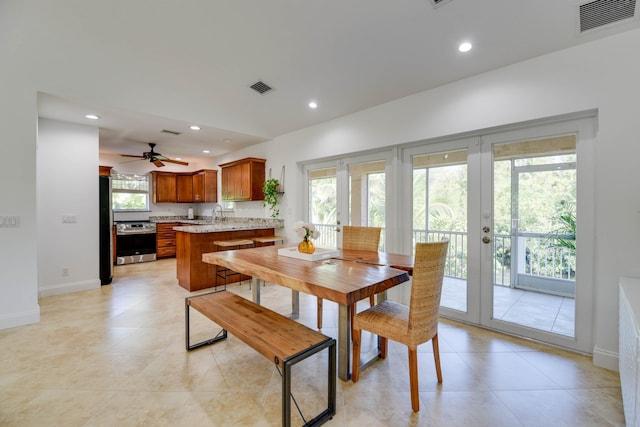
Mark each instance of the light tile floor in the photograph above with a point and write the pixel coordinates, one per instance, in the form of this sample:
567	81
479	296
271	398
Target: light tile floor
115	357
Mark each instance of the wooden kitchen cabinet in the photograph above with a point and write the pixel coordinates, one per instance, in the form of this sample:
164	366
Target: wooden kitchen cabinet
166	240
205	186
164	187
243	179
192	273
184	188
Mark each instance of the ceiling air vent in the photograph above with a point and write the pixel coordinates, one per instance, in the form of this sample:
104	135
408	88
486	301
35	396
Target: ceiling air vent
261	87
437	3
172	132
604	12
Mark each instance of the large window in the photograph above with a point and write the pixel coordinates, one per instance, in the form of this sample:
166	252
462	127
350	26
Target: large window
129	193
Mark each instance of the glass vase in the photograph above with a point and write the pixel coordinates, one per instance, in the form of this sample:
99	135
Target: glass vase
306	247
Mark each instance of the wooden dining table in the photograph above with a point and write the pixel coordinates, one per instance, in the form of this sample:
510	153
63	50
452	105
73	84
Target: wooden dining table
346	278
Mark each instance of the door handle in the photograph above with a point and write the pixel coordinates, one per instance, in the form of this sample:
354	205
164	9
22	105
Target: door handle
486	239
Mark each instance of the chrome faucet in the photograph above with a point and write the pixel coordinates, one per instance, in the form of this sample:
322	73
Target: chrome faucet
217	209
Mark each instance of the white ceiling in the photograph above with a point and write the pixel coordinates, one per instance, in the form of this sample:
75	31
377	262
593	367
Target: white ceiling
346	55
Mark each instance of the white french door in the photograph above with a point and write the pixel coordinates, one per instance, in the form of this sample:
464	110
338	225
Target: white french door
499	198
513	265
535	238
348	191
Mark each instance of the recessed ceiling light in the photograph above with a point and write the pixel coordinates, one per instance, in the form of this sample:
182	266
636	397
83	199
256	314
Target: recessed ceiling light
465	47
194	127
227	140
178	158
206	151
313	104
92	116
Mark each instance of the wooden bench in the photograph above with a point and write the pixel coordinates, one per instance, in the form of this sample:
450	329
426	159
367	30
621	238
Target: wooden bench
280	339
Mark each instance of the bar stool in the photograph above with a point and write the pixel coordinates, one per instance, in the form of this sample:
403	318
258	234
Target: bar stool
224	245
267	240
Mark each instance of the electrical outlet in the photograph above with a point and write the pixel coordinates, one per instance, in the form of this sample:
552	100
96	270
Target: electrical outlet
9	221
65	271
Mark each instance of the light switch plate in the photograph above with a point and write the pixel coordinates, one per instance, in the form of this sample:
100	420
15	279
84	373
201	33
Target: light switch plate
69	219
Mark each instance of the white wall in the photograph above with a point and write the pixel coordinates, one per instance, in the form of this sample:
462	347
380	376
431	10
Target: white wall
67	185
18	246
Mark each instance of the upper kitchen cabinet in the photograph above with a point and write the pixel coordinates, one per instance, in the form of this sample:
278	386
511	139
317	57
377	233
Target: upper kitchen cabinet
243	179
205	186
164	187
185	187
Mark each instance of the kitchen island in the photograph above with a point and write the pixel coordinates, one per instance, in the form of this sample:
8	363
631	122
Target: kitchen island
194	240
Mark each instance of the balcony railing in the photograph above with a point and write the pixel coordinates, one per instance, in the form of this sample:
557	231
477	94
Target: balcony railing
538	264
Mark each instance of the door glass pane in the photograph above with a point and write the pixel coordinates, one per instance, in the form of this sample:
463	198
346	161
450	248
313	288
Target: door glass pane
534	185
323	205
439	211
367	187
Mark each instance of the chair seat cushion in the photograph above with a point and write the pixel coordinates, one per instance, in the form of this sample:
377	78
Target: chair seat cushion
391	320
388	319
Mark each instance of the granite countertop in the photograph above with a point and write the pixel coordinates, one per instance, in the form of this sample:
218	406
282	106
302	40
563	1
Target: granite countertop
184	221
212	225
212	228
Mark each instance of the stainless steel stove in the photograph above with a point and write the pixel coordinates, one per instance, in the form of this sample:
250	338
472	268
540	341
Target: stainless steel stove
135	242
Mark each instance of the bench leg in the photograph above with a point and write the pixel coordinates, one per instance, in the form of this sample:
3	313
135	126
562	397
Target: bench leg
220	336
330	411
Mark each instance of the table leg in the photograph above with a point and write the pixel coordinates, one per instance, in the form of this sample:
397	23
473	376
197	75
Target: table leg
255	289
382	296
295	304
344	343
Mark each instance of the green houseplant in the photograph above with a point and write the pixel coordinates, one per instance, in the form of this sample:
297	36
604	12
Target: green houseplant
271	188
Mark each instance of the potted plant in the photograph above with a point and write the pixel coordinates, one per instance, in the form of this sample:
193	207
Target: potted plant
271	188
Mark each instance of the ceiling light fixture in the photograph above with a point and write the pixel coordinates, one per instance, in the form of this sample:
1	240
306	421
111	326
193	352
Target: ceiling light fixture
226	140
206	151
194	127
313	104
465	47
92	116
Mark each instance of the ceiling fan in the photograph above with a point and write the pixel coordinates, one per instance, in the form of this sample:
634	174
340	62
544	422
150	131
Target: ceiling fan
155	158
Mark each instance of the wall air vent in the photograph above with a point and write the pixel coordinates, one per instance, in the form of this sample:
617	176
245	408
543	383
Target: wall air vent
261	87
599	13
172	132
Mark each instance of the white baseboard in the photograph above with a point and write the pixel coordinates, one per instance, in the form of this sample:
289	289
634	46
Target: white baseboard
67	288
12	320
606	359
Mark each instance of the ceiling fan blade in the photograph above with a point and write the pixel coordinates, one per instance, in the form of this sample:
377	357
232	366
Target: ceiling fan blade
131	155
177	162
129	161
158	163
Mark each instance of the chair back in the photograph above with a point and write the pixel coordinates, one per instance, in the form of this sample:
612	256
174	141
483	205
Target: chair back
360	238
426	289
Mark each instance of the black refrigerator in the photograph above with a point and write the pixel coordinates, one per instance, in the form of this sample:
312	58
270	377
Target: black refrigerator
106	225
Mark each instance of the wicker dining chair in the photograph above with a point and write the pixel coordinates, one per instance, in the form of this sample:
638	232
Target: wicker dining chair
412	325
357	238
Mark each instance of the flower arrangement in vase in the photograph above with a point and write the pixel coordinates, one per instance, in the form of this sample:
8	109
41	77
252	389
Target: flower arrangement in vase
307	232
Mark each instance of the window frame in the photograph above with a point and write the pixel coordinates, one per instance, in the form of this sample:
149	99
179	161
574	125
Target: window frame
115	189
